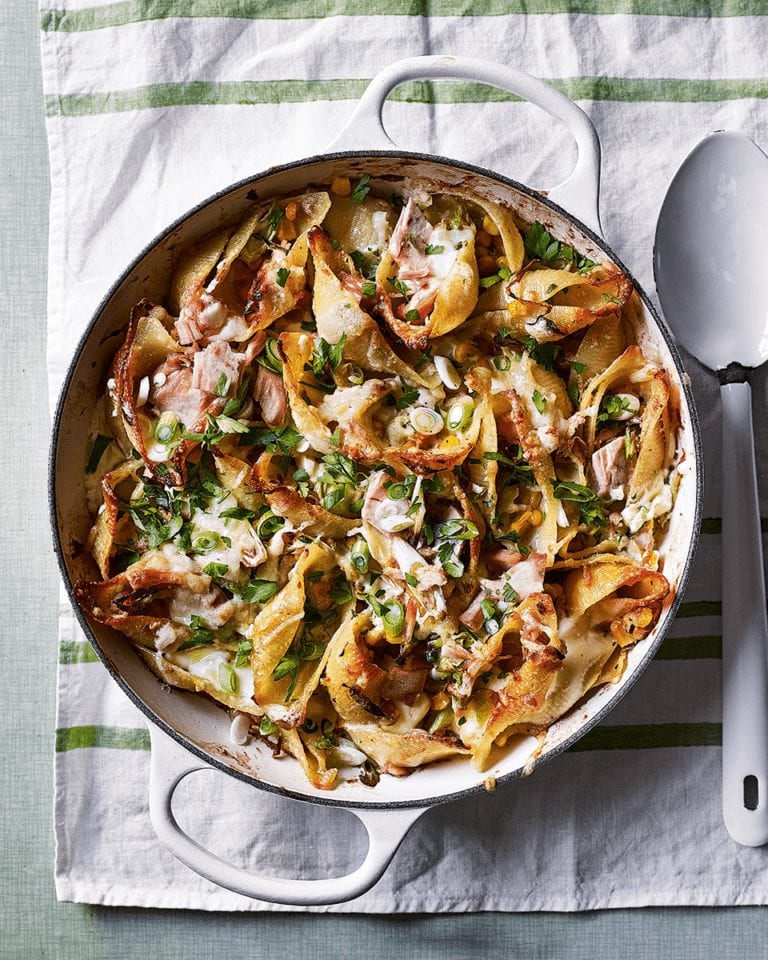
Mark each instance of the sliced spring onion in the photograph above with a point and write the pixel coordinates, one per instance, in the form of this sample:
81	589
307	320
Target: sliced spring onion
454	568
441	720
395	524
460	414
360	555
100	444
351	373
426	421
228	678
447	373
398	491
167	427
394	619
269	523
205	542
269	358
267	727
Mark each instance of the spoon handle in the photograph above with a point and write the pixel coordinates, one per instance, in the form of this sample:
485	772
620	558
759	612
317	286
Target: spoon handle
745	629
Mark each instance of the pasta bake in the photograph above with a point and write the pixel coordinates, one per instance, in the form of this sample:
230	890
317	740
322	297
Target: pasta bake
385	475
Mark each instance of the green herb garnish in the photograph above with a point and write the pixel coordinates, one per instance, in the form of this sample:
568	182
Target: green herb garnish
361	189
100	444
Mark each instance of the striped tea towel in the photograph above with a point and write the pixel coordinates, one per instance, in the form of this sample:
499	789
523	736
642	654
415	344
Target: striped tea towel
154	104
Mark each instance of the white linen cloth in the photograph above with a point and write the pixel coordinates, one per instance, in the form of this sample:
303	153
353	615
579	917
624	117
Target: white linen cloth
147	114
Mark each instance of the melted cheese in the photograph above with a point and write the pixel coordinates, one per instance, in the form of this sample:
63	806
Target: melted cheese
653	503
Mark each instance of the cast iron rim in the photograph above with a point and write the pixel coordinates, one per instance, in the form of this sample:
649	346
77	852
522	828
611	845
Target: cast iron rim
163	724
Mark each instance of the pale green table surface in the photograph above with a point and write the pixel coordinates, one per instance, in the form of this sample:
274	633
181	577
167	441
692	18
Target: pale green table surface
32	924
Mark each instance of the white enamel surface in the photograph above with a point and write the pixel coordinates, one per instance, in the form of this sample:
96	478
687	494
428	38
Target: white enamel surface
710	252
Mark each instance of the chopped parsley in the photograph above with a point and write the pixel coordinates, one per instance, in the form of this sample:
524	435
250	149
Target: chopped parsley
243	653
325	360
399	286
539	401
541	245
521	472
237	513
591	507
300	652
366	264
542	353
361	189
258	591
273	439
282	276
274	218
408	397
201	635
612	407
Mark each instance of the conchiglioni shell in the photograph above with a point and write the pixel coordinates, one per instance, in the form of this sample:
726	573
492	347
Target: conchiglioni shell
601	344
103	534
395	753
274	630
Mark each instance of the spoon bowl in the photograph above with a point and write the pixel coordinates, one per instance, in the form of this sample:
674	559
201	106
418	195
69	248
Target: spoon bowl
710	253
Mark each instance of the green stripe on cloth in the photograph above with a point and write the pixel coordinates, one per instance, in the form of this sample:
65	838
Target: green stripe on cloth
135	11
113	738
650	736
700	608
707	647
199	92
77	651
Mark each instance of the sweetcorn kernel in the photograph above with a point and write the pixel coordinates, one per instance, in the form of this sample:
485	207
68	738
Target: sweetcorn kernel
341	186
440	701
291	210
489	226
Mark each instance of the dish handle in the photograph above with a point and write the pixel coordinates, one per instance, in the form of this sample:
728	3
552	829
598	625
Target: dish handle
386	829
579	194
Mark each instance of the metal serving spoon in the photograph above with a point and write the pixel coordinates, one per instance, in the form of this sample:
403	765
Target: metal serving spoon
712	278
